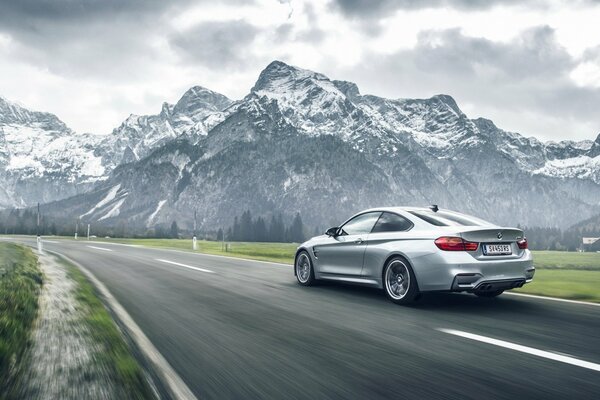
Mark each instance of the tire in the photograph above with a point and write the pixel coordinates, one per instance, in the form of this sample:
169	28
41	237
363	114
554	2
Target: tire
303	269
492	293
399	281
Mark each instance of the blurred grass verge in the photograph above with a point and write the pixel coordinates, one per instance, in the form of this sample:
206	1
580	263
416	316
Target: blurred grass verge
113	352
20	285
566	284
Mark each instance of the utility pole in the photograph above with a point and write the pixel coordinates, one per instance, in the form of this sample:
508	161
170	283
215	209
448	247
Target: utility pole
194	239
39	238
88	232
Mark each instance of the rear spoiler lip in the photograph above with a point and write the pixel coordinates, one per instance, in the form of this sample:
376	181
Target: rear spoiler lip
510	234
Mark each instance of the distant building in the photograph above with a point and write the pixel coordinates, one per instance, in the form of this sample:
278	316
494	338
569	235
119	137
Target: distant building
591	244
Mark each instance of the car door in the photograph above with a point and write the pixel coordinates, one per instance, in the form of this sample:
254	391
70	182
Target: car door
343	254
391	232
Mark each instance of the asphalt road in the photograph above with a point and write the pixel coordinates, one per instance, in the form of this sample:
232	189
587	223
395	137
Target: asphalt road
236	329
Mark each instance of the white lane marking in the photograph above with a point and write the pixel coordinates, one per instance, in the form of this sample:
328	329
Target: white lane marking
173	381
142	246
49	241
185	266
99	248
524	349
533	296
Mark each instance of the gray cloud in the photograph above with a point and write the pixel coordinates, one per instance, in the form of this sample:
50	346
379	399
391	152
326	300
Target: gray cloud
216	44
375	8
372	9
111	39
524	80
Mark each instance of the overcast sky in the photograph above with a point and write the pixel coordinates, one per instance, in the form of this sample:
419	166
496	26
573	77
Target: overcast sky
532	66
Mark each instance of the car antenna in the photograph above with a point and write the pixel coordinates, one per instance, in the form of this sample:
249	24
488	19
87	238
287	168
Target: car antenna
434	208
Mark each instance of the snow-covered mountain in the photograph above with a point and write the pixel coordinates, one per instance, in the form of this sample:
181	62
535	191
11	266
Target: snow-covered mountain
198	111
42	160
302	142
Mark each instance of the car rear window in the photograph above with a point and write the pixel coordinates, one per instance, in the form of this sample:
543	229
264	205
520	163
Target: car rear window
446	218
389	222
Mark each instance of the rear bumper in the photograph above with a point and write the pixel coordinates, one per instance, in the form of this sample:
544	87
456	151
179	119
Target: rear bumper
489	286
459	271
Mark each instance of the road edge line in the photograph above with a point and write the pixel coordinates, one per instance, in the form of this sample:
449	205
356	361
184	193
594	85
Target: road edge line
170	378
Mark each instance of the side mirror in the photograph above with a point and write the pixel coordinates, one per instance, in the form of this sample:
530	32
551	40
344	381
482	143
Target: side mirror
332	231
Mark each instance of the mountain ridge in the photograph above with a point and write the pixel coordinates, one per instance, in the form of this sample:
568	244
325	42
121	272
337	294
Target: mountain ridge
423	150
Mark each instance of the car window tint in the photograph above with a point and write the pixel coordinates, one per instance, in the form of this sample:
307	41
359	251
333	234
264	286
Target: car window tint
360	224
446	218
389	222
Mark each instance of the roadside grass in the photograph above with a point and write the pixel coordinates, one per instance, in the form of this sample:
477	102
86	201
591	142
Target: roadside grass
112	352
20	285
566	284
566	260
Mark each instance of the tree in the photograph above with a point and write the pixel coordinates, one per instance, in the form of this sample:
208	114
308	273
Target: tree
276	229
220	234
174	230
235	232
296	230
246	228
260	230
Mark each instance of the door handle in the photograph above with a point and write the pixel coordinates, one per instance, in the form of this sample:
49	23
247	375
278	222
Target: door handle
359	241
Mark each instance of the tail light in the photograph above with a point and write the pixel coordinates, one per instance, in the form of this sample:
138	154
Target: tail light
454	243
522	243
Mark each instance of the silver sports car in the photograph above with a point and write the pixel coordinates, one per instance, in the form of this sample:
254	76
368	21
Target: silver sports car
410	250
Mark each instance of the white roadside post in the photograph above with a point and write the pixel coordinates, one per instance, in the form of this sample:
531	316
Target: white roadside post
194	239
76	228
88	232
39	238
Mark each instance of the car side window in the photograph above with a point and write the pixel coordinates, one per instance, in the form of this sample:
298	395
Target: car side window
390	222
361	224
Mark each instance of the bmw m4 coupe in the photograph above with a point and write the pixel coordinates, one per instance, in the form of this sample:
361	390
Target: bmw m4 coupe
410	250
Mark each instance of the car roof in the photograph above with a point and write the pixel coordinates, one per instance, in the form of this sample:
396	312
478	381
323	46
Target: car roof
397	209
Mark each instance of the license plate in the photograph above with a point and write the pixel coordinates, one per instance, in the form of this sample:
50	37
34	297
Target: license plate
497	249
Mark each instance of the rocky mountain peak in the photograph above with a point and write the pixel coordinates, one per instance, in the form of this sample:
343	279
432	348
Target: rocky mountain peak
280	77
448	101
199	98
348	88
595	149
13	113
166	110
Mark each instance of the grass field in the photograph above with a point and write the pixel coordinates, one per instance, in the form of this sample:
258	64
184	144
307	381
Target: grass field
20	284
566	284
566	260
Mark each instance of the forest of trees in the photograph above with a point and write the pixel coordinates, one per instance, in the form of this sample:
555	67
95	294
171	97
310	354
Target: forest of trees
244	228
249	229
556	239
